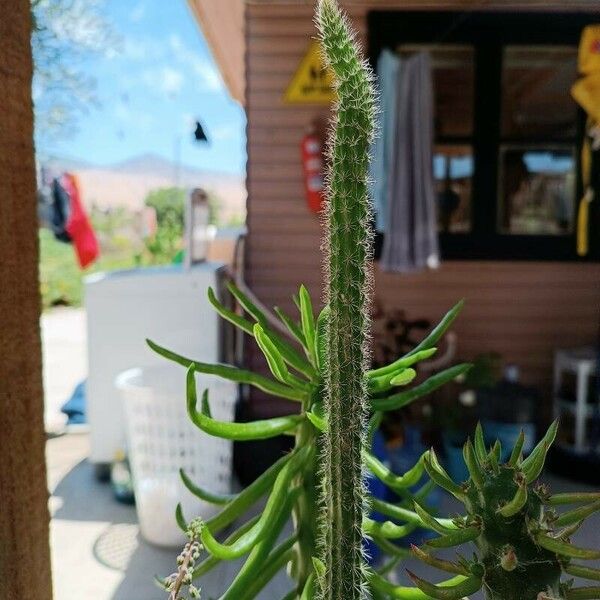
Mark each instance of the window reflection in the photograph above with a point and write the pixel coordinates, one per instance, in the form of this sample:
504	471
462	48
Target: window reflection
453	171
535	92
537	190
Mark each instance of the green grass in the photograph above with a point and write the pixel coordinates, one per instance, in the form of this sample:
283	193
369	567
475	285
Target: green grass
61	279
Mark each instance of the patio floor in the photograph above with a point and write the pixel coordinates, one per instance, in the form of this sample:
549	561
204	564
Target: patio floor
64	358
97	551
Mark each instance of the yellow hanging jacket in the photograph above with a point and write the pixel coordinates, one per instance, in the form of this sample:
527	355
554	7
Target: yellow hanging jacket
586	92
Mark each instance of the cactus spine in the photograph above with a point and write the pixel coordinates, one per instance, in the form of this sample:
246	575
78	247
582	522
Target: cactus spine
347	247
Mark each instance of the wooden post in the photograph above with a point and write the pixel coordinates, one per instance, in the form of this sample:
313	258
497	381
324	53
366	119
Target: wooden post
24	547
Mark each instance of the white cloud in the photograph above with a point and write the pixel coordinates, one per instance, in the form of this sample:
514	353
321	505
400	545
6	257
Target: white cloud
168	68
166	79
135	49
171	80
225	131
138	13
129	117
175	42
209	77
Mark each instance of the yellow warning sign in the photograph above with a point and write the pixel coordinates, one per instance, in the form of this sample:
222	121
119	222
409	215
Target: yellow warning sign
313	81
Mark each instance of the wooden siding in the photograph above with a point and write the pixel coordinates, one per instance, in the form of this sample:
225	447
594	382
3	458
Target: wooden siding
521	309
358	5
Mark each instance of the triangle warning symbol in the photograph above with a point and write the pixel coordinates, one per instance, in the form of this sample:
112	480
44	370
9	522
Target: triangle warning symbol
312	82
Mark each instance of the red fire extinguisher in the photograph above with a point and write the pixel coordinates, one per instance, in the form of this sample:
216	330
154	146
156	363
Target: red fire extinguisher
312	166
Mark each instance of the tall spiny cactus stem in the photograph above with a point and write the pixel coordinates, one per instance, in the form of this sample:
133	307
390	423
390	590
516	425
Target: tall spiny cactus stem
347	248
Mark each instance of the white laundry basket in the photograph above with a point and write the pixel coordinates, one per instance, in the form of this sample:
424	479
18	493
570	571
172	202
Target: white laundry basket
161	440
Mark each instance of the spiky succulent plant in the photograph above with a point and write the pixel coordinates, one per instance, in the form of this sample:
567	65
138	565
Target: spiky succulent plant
523	544
320	363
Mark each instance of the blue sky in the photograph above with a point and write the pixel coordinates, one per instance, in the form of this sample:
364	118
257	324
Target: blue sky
151	88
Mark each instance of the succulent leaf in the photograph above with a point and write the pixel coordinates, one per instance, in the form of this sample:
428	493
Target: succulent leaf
256	430
513	506
583	593
480	450
455	592
441	477
517	450
455	538
408	593
232	374
394	482
582	571
565	549
402	399
204	494
473	465
578	514
439	563
572	498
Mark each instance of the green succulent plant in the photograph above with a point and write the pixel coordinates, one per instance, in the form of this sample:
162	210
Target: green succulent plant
321	364
292	484
523	543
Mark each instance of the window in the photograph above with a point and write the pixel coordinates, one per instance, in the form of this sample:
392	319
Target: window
537	167
507	132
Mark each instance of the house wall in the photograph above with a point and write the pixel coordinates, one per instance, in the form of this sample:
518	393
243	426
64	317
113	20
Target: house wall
522	310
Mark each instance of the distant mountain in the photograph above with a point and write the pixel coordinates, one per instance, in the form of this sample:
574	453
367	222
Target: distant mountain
56	163
128	182
144	163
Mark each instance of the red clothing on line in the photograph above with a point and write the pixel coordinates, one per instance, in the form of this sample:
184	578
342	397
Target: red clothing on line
78	225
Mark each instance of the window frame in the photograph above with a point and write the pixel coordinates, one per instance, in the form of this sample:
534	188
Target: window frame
489	33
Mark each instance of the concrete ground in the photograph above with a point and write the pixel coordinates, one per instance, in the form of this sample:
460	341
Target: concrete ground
98	554
97	551
64	354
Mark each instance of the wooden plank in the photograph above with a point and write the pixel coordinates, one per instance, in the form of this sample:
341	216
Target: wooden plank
294	46
287	229
276	135
356	6
285	172
273	63
271	99
295	209
288	147
276	192
301	26
274	43
289	154
296	115
294	10
269	82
